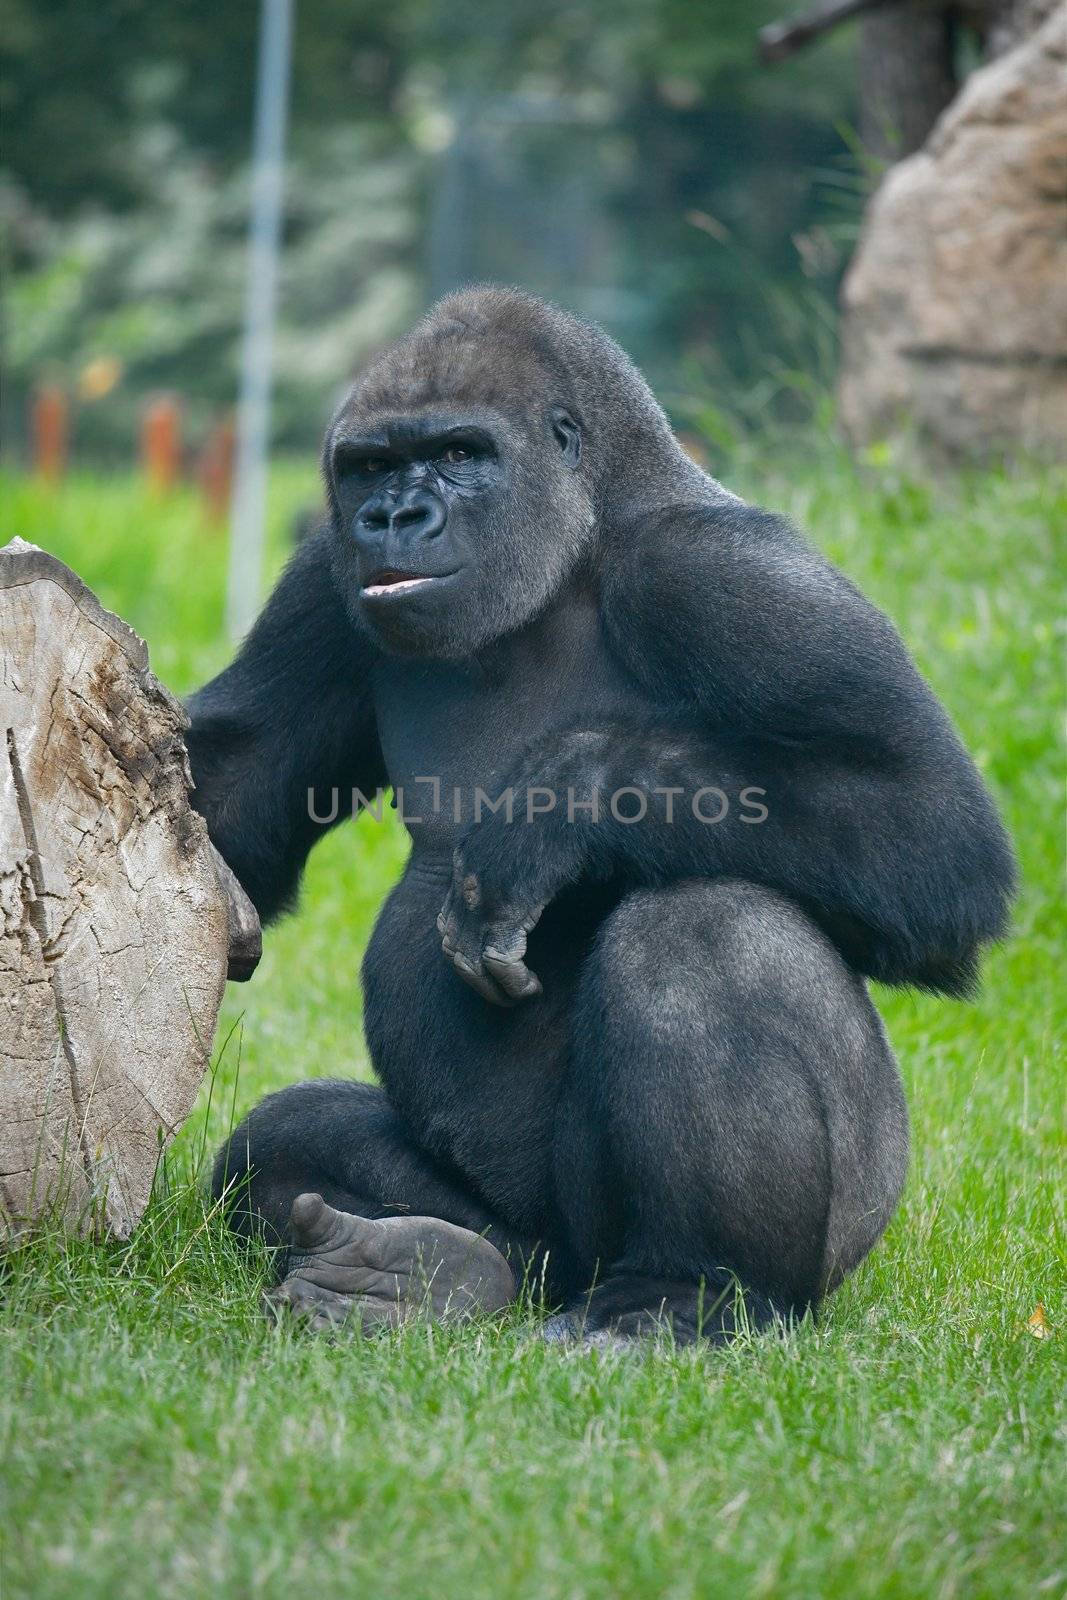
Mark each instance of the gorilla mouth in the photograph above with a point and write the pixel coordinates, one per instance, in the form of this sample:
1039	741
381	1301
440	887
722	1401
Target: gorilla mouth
393	581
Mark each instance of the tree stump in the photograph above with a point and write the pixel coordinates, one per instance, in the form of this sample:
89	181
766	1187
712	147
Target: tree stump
118	919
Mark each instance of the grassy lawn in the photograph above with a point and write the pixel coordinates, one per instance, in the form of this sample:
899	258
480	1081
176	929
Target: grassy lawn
160	1439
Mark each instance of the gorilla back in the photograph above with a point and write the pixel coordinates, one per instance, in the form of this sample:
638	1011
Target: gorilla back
674	791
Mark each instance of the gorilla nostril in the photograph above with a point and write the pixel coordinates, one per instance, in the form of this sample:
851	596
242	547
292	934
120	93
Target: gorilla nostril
373	519
422	517
408	516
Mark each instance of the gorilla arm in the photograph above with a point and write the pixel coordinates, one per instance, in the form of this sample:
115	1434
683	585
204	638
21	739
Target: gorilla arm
779	677
292	713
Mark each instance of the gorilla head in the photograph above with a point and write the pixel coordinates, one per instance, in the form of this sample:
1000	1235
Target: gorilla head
471	466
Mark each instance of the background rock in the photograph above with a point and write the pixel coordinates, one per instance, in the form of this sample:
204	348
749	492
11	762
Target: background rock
955	305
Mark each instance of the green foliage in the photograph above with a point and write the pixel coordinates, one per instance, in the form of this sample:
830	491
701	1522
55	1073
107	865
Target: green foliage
66	75
631	160
161	290
160	1437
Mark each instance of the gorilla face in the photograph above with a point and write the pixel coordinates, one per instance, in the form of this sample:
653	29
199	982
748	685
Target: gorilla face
454	522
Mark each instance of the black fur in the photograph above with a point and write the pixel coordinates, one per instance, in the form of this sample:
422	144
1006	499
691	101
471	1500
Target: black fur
682	1082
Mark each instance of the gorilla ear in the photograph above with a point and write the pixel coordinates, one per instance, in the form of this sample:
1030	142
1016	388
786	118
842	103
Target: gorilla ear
567	435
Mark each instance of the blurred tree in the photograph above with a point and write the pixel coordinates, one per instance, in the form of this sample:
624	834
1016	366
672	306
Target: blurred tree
630	158
67	99
912	57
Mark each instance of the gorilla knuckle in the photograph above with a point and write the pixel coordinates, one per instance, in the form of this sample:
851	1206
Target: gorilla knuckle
471	890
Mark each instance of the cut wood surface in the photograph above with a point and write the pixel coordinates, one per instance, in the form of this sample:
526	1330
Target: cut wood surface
116	913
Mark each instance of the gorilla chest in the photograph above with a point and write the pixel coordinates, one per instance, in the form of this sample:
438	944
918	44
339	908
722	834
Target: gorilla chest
449	729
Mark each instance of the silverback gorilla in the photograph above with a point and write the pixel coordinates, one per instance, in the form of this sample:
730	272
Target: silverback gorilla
621	1020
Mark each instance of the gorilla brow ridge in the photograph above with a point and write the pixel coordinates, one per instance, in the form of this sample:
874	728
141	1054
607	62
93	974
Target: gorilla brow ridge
521	324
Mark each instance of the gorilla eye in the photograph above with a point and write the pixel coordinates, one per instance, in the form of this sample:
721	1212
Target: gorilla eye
373	465
455	454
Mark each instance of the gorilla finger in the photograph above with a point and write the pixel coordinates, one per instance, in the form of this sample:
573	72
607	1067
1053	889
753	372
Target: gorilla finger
483	985
514	977
448	928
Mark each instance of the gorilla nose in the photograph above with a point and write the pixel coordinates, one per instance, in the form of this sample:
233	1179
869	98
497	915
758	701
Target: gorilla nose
416	516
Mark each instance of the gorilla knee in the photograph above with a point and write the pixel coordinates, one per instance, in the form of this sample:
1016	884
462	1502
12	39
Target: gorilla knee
754	1102
701	943
288	1144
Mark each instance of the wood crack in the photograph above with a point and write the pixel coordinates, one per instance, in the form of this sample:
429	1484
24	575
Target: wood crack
39	923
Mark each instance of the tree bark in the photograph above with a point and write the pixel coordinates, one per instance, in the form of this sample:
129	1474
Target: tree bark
907	56
780	40
907	76
117	918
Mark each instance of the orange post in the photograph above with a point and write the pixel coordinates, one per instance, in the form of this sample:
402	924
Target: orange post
214	470
161	448
49	432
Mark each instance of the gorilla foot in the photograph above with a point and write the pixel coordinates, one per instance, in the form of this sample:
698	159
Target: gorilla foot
569	1328
381	1273
624	1309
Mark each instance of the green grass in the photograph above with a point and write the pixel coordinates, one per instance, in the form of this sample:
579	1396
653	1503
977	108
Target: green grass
160	1439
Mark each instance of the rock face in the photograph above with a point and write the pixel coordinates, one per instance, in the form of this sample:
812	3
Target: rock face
115	919
955	305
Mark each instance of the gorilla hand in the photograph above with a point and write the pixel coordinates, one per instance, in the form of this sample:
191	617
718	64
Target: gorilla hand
483	931
509	867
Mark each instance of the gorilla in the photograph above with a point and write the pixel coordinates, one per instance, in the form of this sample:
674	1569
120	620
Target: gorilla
675	791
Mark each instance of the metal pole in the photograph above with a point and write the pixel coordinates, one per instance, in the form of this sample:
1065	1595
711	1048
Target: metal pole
264	233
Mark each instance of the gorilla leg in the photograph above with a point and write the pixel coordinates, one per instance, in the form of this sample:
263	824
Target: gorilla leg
341	1140
732	1117
327	1169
